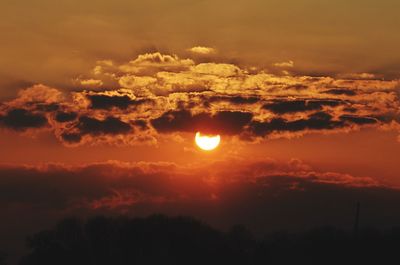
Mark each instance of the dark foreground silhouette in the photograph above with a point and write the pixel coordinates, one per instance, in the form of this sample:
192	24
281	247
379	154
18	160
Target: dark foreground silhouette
180	240
3	257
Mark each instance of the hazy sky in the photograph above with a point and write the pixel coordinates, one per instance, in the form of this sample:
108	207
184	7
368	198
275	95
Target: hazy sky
50	42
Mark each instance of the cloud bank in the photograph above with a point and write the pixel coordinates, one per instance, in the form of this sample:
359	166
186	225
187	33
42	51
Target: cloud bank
237	189
156	95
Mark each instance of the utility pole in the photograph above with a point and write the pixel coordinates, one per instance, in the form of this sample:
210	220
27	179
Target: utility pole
357	220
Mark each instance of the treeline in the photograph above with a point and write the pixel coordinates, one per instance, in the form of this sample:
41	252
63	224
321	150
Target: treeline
182	240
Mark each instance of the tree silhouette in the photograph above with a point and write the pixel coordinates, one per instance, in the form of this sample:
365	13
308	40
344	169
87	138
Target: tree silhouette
183	240
153	240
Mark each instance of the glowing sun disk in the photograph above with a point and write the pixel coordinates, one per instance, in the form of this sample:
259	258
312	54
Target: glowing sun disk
207	142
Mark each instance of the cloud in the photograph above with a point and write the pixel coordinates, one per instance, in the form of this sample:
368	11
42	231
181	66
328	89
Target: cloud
65	116
288	106
107	102
358	119
91	82
71	138
202	50
158	94
86	186
317	121
288	64
109	125
220	69
151	63
357	76
39	94
96	127
339	91
21	120
223	122
233	99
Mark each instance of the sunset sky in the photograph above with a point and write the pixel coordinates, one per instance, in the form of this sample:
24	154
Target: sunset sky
100	102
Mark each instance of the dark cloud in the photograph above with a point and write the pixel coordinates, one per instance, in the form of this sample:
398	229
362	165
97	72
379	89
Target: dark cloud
179	120
242	117
282	107
223	122
320	116
22	119
65	116
142	124
93	127
234	99
317	121
88	183
298	87
232	122
338	91
350	109
47	107
110	125
241	191
71	138
358	119
108	102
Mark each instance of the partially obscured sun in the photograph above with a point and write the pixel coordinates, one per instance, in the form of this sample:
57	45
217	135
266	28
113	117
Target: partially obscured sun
207	142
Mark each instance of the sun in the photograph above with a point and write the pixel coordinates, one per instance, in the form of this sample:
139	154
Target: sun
207	142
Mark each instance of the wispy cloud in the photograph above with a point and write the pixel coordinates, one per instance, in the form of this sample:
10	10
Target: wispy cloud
202	50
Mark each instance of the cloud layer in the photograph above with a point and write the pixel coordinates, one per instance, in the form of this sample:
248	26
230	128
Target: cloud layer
235	187
157	94
93	186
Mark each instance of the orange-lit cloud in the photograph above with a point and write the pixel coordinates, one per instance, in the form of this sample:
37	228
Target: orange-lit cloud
202	50
92	186
287	64
158	94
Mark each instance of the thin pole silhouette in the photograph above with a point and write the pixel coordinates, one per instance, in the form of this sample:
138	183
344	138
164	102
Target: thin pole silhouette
357	220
